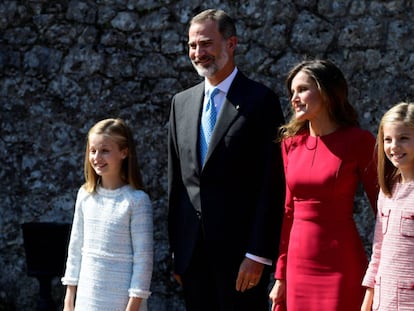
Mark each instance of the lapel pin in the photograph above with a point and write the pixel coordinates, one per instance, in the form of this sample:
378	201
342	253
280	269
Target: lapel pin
237	107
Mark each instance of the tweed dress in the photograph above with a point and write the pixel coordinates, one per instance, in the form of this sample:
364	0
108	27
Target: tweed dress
110	254
391	269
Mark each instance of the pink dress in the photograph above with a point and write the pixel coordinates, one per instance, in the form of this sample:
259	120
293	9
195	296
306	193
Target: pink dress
391	269
321	255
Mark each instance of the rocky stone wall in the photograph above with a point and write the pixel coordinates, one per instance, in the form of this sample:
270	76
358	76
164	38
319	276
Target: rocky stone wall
66	64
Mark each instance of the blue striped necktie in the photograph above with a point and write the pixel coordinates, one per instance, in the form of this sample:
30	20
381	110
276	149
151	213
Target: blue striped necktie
208	120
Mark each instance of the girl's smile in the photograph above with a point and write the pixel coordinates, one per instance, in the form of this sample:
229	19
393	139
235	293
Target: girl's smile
106	158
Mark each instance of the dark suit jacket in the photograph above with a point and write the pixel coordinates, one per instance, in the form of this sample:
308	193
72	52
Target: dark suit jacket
237	198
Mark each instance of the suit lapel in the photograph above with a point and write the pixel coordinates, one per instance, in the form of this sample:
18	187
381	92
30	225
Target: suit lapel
229	112
193	119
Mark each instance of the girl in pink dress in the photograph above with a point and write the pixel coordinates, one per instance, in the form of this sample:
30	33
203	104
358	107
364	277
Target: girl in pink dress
390	276
325	155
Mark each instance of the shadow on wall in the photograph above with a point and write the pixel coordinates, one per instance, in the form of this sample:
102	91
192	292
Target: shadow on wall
46	245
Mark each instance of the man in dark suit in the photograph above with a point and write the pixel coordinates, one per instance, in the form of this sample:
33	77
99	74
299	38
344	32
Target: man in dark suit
225	206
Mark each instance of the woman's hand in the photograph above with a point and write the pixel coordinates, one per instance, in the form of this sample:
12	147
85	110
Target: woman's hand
278	294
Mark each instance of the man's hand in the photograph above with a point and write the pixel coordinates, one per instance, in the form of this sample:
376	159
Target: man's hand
177	277
249	275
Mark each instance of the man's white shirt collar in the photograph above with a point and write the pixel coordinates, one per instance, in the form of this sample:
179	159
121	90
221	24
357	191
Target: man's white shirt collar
223	86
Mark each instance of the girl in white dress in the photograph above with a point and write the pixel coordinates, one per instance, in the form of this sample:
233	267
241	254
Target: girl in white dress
110	254
390	276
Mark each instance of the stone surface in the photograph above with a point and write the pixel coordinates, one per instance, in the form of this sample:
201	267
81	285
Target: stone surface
64	65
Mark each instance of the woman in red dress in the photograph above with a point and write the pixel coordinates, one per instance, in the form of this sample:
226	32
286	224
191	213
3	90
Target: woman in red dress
322	259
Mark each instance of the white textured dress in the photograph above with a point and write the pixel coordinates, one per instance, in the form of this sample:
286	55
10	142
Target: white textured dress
391	269
110	254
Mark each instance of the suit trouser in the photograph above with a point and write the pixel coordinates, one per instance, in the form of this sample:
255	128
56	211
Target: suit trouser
210	285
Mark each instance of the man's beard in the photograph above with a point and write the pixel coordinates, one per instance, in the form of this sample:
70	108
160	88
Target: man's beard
213	68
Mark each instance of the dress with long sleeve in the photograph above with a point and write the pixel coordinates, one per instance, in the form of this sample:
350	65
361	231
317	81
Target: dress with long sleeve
391	269
110	254
321	254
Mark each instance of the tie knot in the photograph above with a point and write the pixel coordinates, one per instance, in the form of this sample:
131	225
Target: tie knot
214	92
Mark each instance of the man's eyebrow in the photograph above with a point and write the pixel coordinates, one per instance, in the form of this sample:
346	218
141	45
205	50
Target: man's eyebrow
207	40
